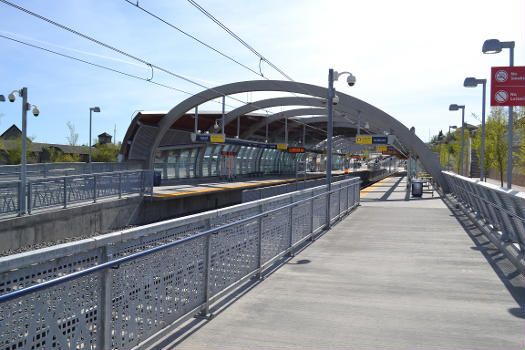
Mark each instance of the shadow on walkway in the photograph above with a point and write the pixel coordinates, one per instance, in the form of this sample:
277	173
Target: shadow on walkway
509	275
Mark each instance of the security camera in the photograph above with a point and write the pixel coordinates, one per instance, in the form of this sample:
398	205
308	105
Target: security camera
335	100
11	97
350	80
36	111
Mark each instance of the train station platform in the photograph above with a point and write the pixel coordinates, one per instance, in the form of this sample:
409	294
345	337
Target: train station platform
398	273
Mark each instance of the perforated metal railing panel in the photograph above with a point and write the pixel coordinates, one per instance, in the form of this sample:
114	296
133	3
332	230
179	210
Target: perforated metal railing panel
503	209
120	307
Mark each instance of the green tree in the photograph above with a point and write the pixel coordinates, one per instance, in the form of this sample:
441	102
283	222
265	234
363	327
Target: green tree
519	129
107	152
13	155
495	141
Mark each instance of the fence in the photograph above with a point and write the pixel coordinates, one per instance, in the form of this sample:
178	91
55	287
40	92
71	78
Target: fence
116	290
65	190
503	209
39	170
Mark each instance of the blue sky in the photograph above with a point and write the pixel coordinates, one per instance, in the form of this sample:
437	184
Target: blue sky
409	57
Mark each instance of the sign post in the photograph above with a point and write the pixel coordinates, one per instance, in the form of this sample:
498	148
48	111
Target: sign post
507	88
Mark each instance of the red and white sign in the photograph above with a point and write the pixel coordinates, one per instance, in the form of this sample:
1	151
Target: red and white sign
507	87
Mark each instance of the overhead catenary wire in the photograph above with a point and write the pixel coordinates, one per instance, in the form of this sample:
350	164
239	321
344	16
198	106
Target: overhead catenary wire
122	52
148	80
193	37
239	39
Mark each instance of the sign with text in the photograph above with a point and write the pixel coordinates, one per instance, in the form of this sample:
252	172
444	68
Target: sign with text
217	138
295	150
381	148
282	146
507	86
371	140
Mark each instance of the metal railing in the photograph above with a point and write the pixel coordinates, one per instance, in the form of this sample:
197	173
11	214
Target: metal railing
43	170
62	191
503	209
116	290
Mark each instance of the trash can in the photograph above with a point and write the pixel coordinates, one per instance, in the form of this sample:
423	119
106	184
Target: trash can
156	178
417	188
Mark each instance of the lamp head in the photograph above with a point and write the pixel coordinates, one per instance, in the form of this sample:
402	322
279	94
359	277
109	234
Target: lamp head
2	98
470	82
453	107
491	46
95	109
453	127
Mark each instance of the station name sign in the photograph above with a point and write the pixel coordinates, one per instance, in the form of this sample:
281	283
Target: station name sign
507	86
295	150
374	139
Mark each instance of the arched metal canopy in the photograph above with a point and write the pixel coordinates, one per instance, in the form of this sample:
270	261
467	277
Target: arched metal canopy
372	114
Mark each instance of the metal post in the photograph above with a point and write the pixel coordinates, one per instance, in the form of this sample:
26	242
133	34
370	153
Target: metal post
511	118
223	109
482	170
329	131
290	230
94	188
312	217
448	149
286	130
120	185
462	137
266	139
196	120
206	310
358	122
238	126
29	190
90	113
259	243
65	192
23	173
104	337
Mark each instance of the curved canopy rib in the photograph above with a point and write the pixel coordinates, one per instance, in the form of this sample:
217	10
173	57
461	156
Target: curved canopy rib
372	114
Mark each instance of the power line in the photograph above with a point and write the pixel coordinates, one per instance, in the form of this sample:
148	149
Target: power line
148	80
87	37
193	37
239	39
149	64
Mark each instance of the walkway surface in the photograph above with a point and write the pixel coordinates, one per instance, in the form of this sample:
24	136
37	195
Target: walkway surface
394	274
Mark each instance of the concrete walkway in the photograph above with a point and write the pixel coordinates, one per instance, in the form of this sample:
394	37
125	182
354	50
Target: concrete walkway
395	274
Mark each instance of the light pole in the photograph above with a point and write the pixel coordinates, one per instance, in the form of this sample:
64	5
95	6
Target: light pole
91	110
473	82
495	46
23	157
448	148
332	76
455	107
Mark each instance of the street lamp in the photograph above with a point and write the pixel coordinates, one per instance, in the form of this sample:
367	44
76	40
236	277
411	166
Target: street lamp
23	161
91	110
495	46
455	107
448	148
473	82
332	76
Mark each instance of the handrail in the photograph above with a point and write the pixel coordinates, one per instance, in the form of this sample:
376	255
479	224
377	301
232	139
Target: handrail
133	256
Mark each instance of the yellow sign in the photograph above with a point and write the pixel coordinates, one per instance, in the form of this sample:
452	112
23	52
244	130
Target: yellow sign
216	138
381	148
363	140
282	146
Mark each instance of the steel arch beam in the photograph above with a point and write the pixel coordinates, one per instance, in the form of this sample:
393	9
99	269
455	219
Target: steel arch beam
374	116
272	102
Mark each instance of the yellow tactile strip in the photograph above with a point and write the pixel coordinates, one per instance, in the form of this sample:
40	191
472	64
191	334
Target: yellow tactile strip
222	188
371	187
